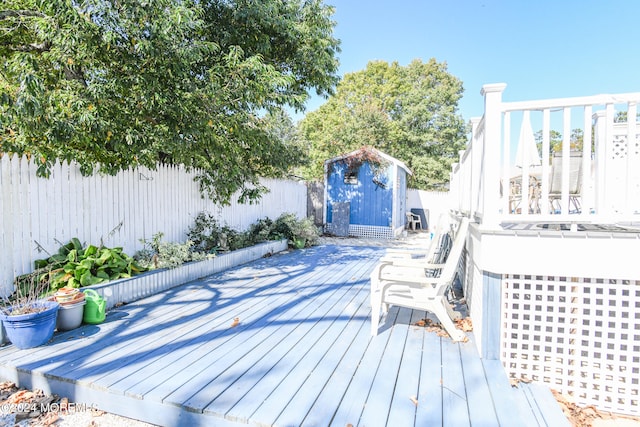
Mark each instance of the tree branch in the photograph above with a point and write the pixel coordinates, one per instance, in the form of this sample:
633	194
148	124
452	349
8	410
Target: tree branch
4	14
33	47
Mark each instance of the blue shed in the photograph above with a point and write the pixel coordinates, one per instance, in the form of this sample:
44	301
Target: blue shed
369	188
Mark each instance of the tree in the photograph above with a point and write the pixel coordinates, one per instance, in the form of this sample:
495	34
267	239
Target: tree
408	112
576	140
119	84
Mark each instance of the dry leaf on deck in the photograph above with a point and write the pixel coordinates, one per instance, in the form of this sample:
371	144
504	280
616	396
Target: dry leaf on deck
21	396
465	324
414	400
236	322
97	412
515	381
50	419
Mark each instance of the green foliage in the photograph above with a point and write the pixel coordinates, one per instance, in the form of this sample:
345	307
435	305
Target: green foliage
157	253
205	233
77	266
576	140
127	83
208	236
407	112
291	228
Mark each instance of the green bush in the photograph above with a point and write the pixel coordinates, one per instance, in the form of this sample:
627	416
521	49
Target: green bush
159	254
77	266
205	233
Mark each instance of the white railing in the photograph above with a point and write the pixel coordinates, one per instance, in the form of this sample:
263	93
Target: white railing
502	158
37	215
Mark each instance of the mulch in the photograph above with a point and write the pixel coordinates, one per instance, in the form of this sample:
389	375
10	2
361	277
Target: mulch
23	407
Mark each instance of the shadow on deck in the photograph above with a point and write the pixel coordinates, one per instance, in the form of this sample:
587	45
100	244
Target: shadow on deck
281	341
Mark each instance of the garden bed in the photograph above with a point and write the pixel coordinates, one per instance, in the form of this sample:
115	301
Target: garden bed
154	281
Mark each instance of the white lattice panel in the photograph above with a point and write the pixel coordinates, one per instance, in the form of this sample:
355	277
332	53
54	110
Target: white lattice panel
620	147
581	336
366	231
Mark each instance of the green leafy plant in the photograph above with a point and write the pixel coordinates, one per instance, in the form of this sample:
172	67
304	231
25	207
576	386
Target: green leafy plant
76	266
209	237
205	233
304	230
288	226
157	253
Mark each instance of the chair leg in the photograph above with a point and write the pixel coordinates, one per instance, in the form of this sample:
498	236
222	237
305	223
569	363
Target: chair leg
440	309
375	315
376	302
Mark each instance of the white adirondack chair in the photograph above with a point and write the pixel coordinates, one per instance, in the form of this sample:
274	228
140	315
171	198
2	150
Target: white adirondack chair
430	252
420	284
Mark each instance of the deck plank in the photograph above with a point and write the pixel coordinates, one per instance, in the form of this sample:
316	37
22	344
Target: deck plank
290	372
405	396
252	341
430	404
333	393
454	396
302	354
274	361
481	410
376	408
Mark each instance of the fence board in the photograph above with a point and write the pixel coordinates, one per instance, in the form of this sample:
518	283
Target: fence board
38	214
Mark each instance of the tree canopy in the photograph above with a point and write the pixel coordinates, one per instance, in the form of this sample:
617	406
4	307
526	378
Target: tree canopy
114	84
408	112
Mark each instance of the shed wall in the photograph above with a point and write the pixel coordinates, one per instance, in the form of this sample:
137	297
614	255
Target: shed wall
371	198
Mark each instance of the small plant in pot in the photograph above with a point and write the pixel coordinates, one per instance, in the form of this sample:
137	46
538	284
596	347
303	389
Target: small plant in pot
28	318
304	233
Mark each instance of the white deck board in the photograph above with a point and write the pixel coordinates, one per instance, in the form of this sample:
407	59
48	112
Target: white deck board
301	354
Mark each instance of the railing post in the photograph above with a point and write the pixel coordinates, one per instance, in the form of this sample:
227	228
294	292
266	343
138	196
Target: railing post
600	161
475	167
491	154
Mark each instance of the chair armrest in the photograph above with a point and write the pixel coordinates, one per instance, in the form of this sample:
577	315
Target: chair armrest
411	263
395	251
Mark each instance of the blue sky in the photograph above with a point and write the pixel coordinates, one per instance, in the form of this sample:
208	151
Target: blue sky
540	48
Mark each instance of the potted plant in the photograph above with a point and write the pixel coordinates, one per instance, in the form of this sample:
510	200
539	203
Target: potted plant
28	318
304	233
71	310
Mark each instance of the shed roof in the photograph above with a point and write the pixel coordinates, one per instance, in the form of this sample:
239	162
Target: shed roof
385	156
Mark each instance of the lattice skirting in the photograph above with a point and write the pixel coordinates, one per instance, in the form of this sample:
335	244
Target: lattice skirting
581	336
367	231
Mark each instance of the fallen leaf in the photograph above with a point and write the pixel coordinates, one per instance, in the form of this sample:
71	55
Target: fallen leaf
515	381
465	324
236	322
64	404
21	396
49	419
414	400
97	412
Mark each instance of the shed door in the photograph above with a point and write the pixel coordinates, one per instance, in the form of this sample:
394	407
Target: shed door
340	221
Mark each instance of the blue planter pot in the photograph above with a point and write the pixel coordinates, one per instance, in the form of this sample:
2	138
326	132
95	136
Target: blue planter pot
33	329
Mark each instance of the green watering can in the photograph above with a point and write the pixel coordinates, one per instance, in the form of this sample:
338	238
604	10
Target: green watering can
95	309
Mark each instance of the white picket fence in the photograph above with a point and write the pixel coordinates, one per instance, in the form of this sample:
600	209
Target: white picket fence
37	214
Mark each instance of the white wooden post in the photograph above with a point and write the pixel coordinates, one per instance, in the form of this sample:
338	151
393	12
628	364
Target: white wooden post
476	163
491	154
600	161
633	158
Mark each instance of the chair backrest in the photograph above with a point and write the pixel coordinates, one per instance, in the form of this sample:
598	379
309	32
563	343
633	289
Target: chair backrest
453	259
439	241
575	173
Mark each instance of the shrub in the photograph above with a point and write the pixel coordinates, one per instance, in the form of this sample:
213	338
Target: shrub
159	254
205	233
76	266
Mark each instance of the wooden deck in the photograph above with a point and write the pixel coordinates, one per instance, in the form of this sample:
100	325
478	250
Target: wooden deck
282	341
